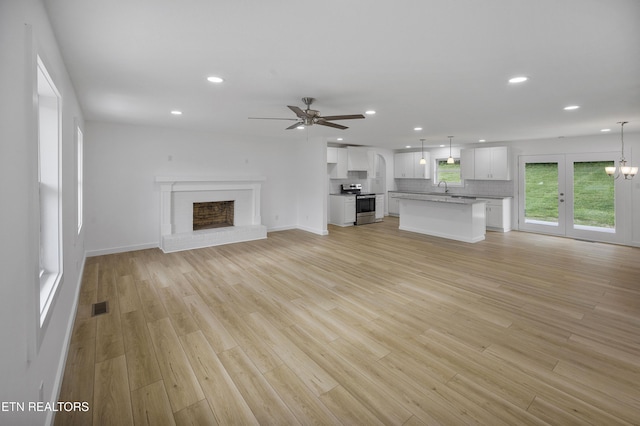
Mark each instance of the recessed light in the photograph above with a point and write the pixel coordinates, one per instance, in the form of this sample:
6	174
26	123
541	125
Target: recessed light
408	146
605	130
482	140
442	146
571	107
176	112
215	79
370	112
417	129
300	127
520	79
340	139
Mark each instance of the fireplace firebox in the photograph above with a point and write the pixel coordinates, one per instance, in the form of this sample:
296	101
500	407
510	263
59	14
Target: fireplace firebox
212	214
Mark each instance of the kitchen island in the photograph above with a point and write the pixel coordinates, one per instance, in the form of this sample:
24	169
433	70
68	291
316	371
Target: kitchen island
459	219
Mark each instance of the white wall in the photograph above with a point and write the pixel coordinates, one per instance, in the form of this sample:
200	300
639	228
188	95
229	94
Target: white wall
23	366
122	162
311	171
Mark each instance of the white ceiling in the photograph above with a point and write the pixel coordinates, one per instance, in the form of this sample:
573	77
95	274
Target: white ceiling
442	65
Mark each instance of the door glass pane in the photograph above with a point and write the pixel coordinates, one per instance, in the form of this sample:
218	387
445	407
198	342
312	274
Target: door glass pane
541	193
593	196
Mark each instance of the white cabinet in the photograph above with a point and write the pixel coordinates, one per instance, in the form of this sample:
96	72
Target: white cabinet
338	170
492	163
498	214
394	204
342	210
358	159
406	165
467	164
379	207
332	155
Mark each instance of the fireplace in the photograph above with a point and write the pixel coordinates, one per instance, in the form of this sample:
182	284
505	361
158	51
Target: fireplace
212	214
181	197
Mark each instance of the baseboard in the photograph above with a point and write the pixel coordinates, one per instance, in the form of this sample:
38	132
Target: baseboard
123	249
57	385
313	230
281	228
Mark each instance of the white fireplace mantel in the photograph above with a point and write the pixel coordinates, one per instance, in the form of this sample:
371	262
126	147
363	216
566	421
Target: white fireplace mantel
177	194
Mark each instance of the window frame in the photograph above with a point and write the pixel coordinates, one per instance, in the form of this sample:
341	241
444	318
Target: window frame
436	178
80	177
49	152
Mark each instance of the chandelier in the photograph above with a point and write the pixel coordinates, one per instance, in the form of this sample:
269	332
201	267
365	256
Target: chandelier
622	169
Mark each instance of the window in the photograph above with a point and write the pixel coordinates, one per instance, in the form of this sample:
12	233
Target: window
449	173
80	160
49	190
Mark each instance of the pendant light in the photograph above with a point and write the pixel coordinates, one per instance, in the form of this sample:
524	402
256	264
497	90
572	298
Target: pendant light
422	160
622	170
450	160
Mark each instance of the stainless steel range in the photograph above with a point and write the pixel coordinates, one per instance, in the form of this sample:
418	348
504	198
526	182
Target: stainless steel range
365	203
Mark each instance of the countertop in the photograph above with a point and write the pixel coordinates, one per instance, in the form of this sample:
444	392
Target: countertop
449	194
441	198
366	193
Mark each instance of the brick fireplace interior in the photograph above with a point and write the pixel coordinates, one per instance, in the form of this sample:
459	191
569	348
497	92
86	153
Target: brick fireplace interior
212	214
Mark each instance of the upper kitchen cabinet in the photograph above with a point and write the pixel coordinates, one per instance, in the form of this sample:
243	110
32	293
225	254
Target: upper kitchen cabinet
358	159
492	163
332	155
337	159
406	165
485	163
467	164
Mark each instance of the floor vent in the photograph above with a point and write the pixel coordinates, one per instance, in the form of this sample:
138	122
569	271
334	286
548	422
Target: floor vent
99	308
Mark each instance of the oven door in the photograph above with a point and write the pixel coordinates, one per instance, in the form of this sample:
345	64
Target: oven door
366	204
365	209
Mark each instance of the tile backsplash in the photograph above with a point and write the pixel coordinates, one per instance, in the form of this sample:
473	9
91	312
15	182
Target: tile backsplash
499	188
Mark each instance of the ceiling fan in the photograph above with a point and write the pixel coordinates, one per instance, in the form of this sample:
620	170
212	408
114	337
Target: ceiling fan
310	117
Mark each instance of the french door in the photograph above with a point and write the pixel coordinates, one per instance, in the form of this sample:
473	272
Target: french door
568	195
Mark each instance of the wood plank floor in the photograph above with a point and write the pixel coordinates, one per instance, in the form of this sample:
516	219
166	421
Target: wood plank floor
369	325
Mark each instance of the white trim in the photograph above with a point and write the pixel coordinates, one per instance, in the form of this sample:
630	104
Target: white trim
121	249
66	344
176	192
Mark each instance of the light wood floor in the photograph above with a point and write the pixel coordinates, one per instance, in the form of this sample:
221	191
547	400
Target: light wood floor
369	325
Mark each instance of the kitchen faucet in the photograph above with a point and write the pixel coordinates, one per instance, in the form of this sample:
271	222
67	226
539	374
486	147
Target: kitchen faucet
446	188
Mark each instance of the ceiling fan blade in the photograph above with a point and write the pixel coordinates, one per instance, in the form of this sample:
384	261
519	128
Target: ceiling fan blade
299	112
343	117
294	126
270	118
322	122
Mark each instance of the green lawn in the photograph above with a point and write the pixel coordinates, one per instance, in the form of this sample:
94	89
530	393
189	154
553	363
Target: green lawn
593	193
